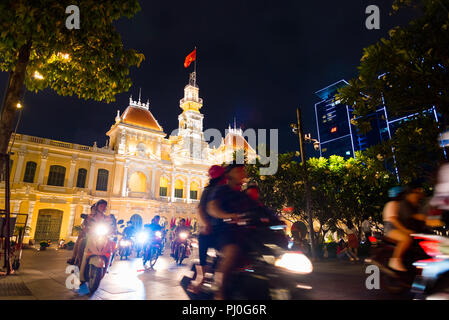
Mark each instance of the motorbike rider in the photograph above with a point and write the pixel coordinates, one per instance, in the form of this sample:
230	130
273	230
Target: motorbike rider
80	243
401	219
181	227
205	238
228	202
129	231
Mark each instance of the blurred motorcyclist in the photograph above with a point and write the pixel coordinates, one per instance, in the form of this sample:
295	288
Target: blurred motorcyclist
206	238
401	219
228	202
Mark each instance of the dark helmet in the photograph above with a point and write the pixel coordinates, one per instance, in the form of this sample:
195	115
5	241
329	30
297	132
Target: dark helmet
101	202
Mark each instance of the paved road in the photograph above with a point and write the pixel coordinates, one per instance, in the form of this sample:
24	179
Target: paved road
43	273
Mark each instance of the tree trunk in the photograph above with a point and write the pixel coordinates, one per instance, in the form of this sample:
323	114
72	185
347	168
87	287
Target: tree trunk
12	96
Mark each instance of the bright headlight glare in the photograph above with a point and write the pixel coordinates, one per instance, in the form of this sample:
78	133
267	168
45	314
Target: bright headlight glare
142	237
295	262
183	235
101	230
158	234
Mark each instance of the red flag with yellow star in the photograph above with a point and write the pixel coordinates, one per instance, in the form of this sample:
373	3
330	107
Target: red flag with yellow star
190	58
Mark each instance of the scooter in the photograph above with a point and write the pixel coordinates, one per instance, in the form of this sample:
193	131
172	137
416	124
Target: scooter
393	281
182	247
153	249
98	253
269	265
432	282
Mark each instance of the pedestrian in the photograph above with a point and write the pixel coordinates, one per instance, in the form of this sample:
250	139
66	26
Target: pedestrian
366	228
342	250
353	242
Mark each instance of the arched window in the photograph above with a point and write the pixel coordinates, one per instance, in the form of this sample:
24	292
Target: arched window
56	176
136	221
179	188
102	180
30	171
194	187
163	188
81	180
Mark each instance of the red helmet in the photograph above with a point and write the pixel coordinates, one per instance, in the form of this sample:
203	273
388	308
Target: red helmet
216	171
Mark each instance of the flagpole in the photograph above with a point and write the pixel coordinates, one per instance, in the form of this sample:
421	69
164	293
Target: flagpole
194	67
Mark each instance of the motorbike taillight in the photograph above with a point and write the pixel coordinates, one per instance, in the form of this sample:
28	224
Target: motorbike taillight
432	248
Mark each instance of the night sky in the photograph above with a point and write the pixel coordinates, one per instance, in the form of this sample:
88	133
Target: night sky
257	61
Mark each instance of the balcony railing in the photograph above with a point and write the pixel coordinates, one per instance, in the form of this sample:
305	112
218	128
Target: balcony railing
61	144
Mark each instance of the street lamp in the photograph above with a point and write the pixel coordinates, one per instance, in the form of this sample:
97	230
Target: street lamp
297	129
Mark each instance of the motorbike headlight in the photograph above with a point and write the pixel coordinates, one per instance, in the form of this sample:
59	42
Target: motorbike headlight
158	234
101	230
295	262
142	237
183	235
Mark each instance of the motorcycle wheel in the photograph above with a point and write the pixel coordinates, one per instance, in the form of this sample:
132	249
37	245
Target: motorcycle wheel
154	254
181	254
94	278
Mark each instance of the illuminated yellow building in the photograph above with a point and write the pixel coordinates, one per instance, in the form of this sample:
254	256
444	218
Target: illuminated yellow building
139	172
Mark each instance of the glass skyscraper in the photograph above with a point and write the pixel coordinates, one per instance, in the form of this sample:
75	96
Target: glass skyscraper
338	136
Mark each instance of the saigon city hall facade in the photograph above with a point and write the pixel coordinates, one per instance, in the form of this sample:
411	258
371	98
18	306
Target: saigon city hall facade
140	172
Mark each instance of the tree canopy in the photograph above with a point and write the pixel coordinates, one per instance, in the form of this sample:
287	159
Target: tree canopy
39	51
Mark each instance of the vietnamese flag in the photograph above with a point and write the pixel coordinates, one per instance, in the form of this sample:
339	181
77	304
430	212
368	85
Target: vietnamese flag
191	57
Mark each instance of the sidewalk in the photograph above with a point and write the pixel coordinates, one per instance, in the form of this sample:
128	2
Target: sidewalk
41	277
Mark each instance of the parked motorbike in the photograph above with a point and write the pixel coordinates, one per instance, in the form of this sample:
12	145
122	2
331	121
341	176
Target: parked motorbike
153	249
101	243
393	281
268	265
182	247
432	282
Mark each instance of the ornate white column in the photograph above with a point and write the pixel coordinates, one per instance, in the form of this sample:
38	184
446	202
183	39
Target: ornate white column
125	181
43	165
153	181
90	184
188	189
173	174
72	171
19	167
71	219
30	216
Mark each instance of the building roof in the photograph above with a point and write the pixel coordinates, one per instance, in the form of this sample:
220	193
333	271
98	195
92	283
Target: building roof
233	141
140	117
331	90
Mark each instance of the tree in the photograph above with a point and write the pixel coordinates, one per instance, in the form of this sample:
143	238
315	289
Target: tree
341	189
408	71
39	51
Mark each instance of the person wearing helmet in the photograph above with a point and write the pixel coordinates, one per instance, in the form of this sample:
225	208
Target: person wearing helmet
205	238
